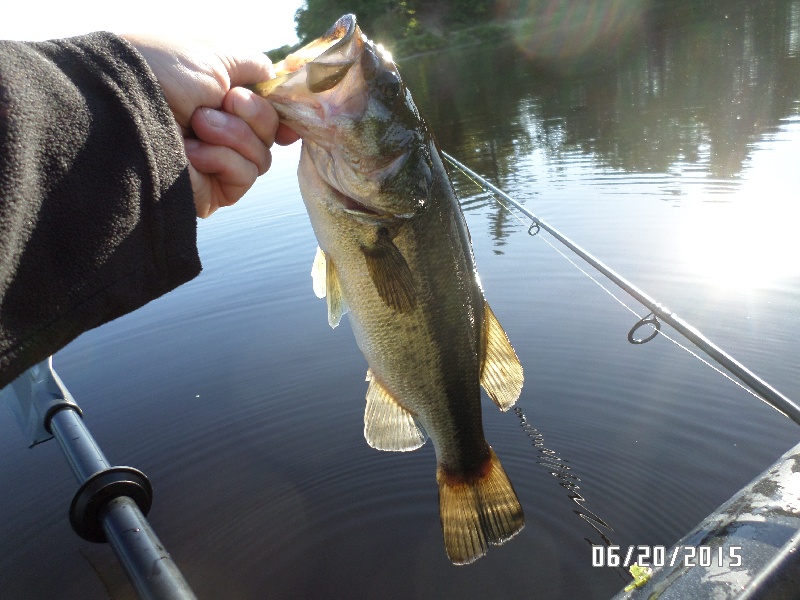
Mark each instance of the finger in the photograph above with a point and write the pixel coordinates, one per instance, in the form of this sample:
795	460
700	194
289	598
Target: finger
221	175
218	128
247	68
254	110
285	135
201	187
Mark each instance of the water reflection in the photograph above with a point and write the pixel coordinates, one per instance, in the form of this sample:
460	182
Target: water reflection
560	469
685	100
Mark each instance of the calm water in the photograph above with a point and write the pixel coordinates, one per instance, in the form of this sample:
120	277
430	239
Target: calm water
672	152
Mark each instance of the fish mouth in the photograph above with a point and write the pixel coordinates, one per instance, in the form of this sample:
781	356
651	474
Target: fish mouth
327	59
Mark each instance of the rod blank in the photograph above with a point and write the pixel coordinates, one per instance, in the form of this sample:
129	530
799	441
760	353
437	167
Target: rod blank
764	390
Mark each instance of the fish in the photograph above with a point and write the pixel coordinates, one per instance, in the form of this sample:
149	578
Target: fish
395	255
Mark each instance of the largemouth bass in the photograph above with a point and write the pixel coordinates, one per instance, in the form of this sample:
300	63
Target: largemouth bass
395	252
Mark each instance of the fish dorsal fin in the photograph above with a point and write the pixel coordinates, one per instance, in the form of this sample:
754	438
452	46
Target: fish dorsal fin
390	273
387	425
501	371
318	274
326	285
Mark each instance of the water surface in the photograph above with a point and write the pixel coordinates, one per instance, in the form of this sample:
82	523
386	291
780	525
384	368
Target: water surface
672	155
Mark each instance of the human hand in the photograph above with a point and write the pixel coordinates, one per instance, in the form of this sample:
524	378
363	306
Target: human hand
227	130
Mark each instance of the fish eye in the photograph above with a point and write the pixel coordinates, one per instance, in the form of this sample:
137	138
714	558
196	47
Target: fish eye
369	64
390	87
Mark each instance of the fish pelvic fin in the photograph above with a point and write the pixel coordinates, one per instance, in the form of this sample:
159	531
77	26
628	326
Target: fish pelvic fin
501	371
477	511
390	273
326	285
318	274
387	425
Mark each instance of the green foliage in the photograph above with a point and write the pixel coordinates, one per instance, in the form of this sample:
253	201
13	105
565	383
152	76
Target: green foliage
427	41
279	54
381	17
407	26
464	12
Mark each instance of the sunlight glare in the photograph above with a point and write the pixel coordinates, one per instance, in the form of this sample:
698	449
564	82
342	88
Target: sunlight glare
254	25
751	240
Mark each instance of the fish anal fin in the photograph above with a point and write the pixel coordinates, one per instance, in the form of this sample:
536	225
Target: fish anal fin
501	371
477	511
337	305
391	274
318	274
387	425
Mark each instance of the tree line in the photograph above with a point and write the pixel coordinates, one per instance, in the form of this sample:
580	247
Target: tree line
392	20
405	26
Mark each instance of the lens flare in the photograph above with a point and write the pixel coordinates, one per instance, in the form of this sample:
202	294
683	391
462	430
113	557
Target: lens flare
573	35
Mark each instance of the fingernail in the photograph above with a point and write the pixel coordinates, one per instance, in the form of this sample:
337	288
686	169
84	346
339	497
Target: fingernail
215	118
190	144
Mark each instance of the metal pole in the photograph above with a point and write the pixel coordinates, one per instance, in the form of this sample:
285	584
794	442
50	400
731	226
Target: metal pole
106	508
150	567
768	393
111	502
81	451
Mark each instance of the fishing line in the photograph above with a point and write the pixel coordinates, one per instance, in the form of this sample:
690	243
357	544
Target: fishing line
559	468
750	382
514	214
566	257
641	319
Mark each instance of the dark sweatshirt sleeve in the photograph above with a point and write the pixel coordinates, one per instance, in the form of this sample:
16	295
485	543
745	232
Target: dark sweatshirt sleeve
97	215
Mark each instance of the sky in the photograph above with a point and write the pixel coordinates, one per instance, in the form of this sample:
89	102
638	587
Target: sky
260	25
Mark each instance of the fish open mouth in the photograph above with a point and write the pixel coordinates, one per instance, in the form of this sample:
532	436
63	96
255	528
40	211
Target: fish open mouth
327	59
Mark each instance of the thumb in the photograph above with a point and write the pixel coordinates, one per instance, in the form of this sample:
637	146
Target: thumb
249	68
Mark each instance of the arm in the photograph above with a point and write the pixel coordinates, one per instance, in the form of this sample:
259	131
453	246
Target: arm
98	201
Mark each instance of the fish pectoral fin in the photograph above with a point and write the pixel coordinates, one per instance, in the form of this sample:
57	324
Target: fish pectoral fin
318	274
391	274
337	305
476	512
387	425
501	371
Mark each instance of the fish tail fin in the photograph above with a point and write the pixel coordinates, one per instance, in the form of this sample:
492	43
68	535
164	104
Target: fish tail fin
477	511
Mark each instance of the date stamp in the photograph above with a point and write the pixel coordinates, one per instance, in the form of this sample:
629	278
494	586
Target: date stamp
659	556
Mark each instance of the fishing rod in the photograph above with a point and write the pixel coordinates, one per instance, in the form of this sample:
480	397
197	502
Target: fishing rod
760	387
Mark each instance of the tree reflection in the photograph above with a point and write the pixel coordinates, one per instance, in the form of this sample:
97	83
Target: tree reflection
698	86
